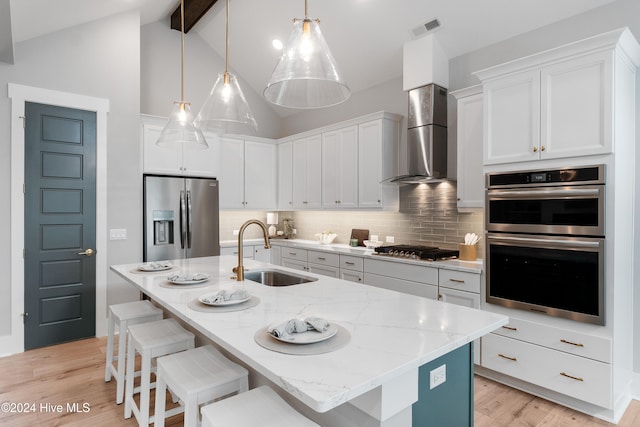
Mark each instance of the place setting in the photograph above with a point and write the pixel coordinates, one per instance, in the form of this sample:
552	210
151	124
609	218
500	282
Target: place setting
303	336
224	301
153	267
182	279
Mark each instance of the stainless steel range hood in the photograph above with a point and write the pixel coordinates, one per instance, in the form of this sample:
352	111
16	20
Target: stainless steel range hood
426	136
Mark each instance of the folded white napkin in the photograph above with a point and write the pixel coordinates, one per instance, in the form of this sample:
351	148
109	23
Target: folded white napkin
225	295
156	264
185	277
293	326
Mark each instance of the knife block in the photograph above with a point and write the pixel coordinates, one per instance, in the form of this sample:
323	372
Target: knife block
468	252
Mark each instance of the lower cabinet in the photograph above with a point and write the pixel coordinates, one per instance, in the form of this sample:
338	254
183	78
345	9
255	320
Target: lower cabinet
257	252
407	278
352	268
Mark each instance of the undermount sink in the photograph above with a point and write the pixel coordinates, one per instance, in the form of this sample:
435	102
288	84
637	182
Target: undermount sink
277	278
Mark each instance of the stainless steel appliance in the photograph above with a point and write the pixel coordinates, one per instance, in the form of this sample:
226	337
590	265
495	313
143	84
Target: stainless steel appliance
545	241
426	136
181	217
417	252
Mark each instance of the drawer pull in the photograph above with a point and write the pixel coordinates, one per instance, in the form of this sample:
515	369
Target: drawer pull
457	280
350	263
322	258
511	328
292	253
571	376
508	357
572	343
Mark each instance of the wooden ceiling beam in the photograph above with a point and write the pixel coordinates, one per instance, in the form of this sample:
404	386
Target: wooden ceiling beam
193	11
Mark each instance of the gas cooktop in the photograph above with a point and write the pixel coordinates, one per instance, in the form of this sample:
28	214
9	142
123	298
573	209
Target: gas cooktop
417	252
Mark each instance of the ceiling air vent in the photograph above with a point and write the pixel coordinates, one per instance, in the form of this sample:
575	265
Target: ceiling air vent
425	28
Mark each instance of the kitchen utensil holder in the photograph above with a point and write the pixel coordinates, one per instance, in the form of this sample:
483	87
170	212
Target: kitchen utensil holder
468	252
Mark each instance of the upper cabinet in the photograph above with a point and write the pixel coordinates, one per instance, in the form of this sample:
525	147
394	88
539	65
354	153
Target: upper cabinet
307	172
557	103
469	127
176	161
377	162
340	168
285	175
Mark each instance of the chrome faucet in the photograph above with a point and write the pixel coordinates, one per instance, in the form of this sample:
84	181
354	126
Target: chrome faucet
239	270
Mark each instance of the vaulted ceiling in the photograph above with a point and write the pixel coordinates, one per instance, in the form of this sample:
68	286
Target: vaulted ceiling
366	36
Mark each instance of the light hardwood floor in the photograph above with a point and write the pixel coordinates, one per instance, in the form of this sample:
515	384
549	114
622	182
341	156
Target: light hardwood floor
38	381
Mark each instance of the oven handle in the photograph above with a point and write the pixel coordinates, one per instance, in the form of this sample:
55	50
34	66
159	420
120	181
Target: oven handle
542	193
572	243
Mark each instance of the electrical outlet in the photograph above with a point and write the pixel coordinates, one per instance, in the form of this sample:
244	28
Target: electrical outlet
118	234
374	237
437	376
236	232
390	239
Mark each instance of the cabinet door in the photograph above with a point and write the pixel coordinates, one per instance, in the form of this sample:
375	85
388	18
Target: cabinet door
340	168
325	270
247	251
160	160
470	183
370	164
576	101
259	175
232	174
512	118
199	162
307	173
261	254
285	176
352	276
294	263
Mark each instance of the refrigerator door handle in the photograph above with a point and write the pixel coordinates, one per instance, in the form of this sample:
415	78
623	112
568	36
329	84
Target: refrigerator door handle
189	219
182	219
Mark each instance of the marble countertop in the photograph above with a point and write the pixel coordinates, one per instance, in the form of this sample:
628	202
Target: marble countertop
391	332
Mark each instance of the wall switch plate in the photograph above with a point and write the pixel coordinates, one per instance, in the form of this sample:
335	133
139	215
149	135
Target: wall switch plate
118	234
437	376
390	239
236	232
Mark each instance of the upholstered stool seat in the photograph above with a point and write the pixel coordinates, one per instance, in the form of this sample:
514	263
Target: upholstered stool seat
196	376
150	340
123	315
258	407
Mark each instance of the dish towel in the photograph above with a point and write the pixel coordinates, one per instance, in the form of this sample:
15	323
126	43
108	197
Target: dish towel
226	295
294	326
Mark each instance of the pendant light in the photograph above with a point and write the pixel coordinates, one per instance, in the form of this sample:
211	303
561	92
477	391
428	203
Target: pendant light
306	76
180	132
226	109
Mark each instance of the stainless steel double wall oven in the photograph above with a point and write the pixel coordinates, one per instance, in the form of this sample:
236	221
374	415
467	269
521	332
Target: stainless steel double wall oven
545	241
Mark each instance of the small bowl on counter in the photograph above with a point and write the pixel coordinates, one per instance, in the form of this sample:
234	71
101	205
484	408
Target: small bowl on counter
372	244
326	238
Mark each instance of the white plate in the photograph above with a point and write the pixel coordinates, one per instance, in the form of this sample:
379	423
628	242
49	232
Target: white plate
222	303
308	337
155	266
199	279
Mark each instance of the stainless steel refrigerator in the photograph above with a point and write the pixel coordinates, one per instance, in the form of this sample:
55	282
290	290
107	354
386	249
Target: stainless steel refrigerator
181	217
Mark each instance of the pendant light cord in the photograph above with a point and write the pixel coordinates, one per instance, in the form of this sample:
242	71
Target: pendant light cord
182	52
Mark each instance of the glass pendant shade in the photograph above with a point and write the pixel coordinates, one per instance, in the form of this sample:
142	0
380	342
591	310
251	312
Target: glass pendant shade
180	131
306	76
226	110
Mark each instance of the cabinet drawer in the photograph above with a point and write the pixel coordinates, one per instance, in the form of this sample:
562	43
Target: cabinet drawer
575	376
325	270
416	273
247	251
323	258
348	262
399	285
294	263
351	276
460	280
293	253
577	343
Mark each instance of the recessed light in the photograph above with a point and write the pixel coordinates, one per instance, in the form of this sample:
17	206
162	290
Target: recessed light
277	44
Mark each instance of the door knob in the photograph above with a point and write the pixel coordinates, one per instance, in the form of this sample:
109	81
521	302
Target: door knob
87	252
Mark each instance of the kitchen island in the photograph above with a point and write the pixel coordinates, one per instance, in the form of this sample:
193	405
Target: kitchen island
371	380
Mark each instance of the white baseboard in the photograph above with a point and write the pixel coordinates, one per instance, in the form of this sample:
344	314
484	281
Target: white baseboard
635	386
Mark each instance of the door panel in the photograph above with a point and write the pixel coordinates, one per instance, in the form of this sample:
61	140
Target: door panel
60	186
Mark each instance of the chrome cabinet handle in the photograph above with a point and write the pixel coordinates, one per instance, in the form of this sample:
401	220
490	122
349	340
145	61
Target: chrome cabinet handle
87	252
564	374
572	343
514	359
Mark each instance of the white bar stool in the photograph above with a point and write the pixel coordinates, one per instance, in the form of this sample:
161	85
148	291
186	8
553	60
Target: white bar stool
196	376
123	315
258	407
150	340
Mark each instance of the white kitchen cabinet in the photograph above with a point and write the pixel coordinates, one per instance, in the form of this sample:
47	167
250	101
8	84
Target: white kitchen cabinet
470	184
248	174
377	161
340	168
307	173
261	254
560	108
176	161
285	175
247	251
352	268
407	278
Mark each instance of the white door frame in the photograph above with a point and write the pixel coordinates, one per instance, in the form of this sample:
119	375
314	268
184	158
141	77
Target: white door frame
19	94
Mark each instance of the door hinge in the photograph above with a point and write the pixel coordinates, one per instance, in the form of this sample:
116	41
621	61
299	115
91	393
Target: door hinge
24	188
24	121
24	253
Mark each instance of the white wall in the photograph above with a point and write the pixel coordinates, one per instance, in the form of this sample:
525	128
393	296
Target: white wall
621	13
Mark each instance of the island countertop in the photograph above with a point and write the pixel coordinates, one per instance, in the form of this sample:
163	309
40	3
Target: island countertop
391	333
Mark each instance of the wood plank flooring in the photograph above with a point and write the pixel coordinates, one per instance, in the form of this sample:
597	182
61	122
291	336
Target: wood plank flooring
46	383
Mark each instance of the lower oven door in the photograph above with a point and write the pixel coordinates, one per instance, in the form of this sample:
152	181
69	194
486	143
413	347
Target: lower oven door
554	275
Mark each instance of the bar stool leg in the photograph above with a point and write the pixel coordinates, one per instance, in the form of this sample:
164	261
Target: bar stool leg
191	413
122	340
107	370
161	391
145	386
131	355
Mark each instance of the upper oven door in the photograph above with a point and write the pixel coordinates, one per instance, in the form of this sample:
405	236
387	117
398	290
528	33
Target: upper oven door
569	210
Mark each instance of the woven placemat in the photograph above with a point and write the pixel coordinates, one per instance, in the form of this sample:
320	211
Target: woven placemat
336	342
198	306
